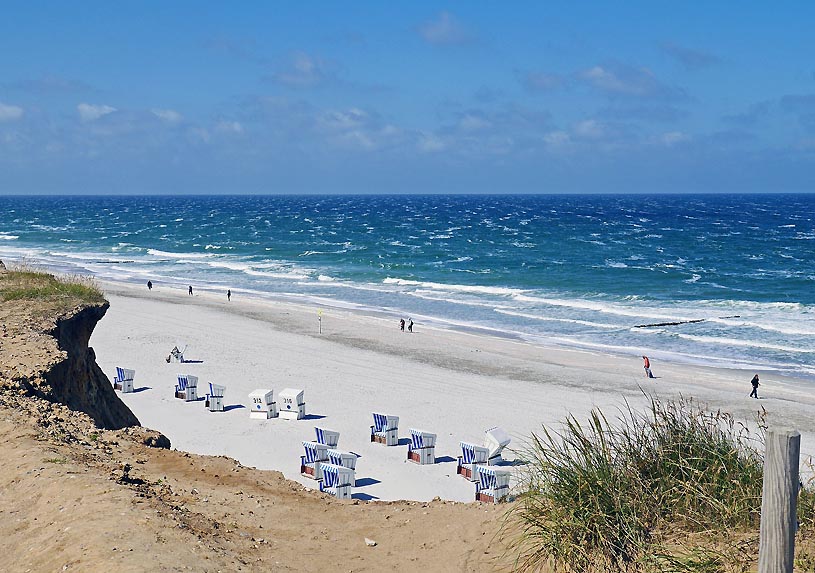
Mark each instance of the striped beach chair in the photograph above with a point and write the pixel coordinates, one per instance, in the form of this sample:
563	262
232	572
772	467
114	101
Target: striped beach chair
337	480
328	437
491	485
124	379
471	456
215	398
344	459
422	447
187	387
385	430
495	440
315	456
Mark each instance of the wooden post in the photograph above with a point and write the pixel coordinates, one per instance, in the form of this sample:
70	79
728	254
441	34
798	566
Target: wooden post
779	501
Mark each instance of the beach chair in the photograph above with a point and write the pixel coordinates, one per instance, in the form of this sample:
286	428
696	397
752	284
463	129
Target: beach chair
385	430
262	405
124	380
292	404
187	387
327	437
315	455
422	447
495	440
471	456
344	459
337	480
215	398
491	485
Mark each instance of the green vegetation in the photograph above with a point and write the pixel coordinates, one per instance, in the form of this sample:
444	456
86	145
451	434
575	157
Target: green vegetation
674	489
24	282
55	461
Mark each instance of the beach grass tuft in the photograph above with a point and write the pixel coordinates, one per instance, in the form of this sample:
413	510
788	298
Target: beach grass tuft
676	488
25	282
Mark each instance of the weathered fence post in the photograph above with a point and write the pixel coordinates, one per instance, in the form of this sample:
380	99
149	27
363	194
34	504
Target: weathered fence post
779	501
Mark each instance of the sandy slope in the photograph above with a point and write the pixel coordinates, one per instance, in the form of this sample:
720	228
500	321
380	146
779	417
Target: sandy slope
69	507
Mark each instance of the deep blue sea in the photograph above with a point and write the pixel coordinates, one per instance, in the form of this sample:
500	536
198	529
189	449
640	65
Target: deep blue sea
578	271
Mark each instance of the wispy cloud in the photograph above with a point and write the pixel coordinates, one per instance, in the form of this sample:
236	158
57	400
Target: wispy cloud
90	112
443	30
751	117
541	81
649	112
168	115
616	79
689	58
10	112
303	70
50	84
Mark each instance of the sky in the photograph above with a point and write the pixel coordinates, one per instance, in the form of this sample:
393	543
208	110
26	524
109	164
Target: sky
415	97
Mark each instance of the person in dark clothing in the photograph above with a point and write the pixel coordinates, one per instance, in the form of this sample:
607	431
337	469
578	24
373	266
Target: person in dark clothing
228	294
149	285
190	291
410	325
754	382
402	324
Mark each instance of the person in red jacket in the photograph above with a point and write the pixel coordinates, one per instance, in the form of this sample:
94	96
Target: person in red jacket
647	366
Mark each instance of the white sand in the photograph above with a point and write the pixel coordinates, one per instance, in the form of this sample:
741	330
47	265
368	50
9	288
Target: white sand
454	384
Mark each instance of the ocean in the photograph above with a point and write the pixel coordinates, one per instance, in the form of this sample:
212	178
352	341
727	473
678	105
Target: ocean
721	280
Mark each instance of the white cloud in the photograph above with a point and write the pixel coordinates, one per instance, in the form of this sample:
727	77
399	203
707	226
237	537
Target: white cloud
618	79
444	30
472	122
303	71
590	129
430	143
10	112
230	127
340	120
89	112
168	115
672	138
557	138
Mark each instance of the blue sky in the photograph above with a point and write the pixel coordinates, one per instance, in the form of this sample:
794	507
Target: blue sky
377	97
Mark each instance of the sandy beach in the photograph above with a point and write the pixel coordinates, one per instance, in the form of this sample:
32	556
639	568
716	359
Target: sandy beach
455	384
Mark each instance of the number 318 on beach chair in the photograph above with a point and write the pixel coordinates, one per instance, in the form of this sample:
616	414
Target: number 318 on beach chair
385	430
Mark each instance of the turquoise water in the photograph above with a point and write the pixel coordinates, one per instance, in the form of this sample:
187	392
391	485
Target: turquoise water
578	271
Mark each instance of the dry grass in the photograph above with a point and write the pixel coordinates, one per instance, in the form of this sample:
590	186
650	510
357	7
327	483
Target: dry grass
674	489
25	282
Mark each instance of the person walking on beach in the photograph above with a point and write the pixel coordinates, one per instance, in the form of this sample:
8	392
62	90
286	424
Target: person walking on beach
228	294
149	285
754	382
410	325
402	324
190	291
647	366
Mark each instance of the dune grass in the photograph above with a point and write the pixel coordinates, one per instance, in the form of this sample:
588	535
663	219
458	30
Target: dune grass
674	489
25	282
